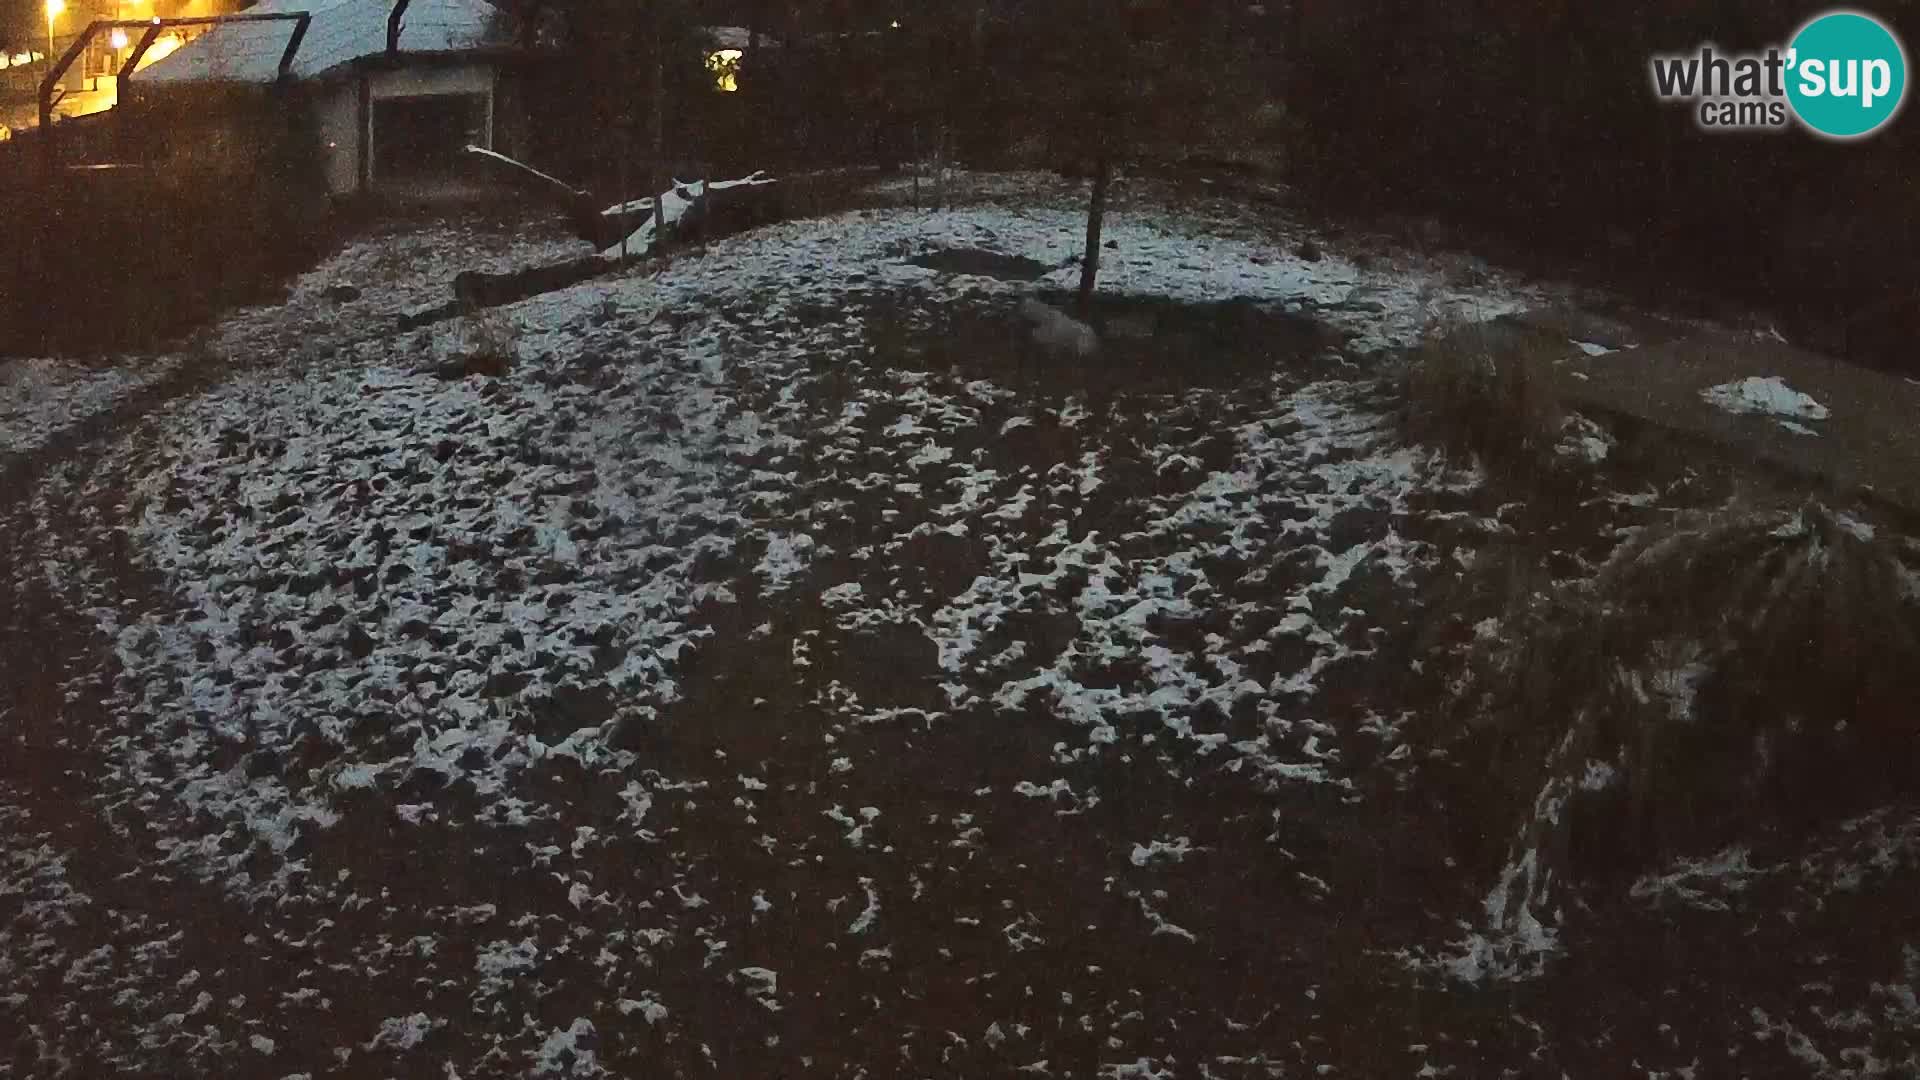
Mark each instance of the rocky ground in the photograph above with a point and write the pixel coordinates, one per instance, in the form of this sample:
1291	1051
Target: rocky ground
763	663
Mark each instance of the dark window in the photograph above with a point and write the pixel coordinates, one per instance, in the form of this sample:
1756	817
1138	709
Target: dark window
418	138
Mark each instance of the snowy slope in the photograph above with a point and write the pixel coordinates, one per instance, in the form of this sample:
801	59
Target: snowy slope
750	674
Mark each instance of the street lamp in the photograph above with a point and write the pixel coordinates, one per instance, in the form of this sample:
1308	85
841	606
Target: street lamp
54	8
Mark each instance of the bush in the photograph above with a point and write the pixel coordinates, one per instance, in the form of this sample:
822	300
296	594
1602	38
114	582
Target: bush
1751	664
1744	669
1482	389
215	207
484	343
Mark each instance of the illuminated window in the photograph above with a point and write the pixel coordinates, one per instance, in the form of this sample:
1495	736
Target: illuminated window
725	66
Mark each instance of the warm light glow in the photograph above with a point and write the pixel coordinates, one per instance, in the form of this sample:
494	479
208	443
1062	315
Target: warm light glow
118	39
54	8
725	65
162	48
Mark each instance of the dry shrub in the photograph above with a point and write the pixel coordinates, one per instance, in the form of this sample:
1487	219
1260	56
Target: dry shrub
1748	668
1754	664
1483	389
487	343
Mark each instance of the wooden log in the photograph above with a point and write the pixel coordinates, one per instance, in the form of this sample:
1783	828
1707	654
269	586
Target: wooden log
691	211
476	289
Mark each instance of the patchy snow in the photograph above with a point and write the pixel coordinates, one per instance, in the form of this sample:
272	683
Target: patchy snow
1769	396
1694	882
1058	333
717	655
568	1052
1175	851
39	398
1584	441
403	1032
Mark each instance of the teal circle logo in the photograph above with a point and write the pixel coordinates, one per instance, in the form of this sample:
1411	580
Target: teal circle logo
1847	74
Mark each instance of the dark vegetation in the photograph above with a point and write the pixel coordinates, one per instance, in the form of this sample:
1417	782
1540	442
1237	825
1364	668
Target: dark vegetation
1536	131
1727	672
173	218
1745	667
1480	389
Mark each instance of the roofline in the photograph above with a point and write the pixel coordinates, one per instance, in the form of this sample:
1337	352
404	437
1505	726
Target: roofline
499	55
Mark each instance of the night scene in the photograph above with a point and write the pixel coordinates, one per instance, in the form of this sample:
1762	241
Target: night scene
1030	539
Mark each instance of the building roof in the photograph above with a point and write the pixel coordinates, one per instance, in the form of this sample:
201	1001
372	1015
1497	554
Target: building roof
342	31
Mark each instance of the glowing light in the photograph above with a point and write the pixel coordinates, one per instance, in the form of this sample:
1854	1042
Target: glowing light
162	48
118	39
725	66
896	24
54	8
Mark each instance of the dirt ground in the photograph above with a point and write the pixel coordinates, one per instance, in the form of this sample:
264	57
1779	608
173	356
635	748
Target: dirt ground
783	669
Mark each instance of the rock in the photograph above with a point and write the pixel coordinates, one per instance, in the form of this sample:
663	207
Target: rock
1058	333
341	294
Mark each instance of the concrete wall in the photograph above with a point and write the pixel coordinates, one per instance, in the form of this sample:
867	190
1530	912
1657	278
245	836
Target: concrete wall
427	81
345	133
468	80
337	123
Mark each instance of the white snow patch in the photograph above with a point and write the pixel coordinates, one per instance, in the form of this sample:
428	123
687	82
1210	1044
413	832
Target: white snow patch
1769	396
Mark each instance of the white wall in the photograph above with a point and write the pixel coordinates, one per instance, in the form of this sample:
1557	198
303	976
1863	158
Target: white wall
337	112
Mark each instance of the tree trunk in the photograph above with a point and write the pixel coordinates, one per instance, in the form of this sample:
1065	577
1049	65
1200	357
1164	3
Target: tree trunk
661	180
1096	219
625	136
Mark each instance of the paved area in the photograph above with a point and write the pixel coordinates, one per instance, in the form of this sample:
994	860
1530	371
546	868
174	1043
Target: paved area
1868	445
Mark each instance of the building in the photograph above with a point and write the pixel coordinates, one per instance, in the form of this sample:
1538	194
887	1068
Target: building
393	92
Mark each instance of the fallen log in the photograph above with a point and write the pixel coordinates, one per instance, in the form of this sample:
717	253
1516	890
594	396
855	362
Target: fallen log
689	211
477	289
700	208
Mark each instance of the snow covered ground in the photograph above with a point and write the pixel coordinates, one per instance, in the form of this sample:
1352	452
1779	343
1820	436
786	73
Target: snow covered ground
774	671
42	399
